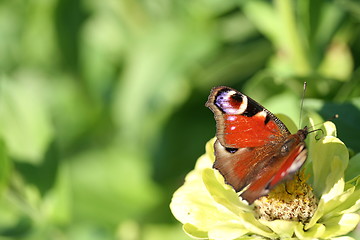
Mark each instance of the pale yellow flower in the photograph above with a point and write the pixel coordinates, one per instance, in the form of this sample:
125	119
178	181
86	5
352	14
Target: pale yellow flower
326	207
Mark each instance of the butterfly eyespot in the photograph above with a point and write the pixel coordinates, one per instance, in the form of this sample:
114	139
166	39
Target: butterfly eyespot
231	150
237	97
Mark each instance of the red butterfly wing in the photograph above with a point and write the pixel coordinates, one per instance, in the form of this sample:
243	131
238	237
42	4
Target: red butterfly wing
254	148
241	121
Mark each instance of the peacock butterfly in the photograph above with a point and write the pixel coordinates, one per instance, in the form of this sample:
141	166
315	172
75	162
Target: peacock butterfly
254	150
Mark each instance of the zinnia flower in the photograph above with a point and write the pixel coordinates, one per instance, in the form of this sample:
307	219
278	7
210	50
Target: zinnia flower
317	204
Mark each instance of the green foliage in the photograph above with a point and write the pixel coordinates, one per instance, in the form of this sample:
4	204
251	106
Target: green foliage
102	102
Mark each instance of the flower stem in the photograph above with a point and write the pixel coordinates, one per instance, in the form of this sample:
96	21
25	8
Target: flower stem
293	40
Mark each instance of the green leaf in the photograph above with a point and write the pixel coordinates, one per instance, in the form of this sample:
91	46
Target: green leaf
264	17
286	103
25	120
288	123
158	232
338	62
207	159
5	167
115	174
354	167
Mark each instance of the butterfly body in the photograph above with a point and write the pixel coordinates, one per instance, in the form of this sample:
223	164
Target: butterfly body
254	149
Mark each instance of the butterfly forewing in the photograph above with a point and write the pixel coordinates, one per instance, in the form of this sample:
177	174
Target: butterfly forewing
241	121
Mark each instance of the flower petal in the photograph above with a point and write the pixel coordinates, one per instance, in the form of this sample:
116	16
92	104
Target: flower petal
192	204
317	215
252	238
222	193
194	232
285	229
198	210
352	204
329	129
340	225
228	201
227	231
314	232
330	158
327	202
334	204
254	226
350	199
343	238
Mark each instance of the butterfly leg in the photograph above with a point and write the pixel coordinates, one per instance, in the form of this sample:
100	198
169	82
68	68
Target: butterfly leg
286	189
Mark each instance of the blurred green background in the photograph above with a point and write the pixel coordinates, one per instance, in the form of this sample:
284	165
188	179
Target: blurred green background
102	102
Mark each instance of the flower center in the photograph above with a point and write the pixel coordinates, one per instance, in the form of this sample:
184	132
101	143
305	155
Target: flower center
293	200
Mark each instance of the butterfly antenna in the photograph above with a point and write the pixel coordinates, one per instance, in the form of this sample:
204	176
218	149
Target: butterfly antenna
335	116
302	103
316	130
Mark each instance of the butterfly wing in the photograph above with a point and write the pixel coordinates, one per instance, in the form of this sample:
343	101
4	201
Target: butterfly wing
254	148
258	169
241	121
